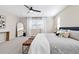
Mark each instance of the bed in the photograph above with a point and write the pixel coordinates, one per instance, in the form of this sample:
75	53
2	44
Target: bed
49	43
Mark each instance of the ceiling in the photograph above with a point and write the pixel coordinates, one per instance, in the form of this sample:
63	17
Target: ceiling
21	10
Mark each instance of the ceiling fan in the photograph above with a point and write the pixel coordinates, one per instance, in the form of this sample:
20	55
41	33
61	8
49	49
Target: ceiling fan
31	9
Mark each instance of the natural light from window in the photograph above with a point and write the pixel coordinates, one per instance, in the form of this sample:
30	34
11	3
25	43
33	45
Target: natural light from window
58	23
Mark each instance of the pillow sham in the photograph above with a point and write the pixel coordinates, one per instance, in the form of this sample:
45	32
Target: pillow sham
62	31
66	34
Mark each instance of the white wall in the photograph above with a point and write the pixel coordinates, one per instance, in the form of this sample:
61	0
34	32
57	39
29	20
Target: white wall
69	17
2	37
49	25
11	21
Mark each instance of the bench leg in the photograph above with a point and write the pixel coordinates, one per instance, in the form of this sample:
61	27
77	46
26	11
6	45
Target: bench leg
25	49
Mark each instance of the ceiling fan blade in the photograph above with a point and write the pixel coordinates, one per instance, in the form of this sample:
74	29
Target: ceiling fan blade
36	10
31	9
27	6
28	12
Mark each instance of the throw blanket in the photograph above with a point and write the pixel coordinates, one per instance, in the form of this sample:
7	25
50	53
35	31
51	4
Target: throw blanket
40	45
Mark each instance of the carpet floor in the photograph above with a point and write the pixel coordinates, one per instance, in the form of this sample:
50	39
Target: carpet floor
13	46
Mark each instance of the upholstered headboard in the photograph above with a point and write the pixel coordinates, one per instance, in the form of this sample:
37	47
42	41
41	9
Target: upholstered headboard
70	28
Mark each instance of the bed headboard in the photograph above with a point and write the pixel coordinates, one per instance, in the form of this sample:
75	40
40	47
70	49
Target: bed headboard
70	28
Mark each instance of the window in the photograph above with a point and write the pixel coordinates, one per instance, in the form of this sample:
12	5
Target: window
36	23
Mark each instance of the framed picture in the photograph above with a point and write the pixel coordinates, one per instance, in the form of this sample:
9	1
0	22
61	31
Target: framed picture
2	21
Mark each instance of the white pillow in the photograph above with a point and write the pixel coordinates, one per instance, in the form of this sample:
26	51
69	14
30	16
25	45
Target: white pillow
62	31
66	34
74	35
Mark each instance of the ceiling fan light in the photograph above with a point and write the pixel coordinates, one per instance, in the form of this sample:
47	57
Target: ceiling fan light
31	11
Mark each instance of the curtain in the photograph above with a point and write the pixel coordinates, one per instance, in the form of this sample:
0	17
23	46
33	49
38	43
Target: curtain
39	24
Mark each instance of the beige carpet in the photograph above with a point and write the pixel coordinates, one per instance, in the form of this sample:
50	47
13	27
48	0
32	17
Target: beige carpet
13	46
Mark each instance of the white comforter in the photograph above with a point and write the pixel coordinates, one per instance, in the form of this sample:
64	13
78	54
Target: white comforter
50	43
40	45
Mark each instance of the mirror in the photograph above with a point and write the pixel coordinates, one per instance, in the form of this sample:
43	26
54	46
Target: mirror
19	29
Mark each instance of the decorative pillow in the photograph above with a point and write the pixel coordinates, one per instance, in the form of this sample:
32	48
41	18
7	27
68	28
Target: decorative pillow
74	35
60	34
66	34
